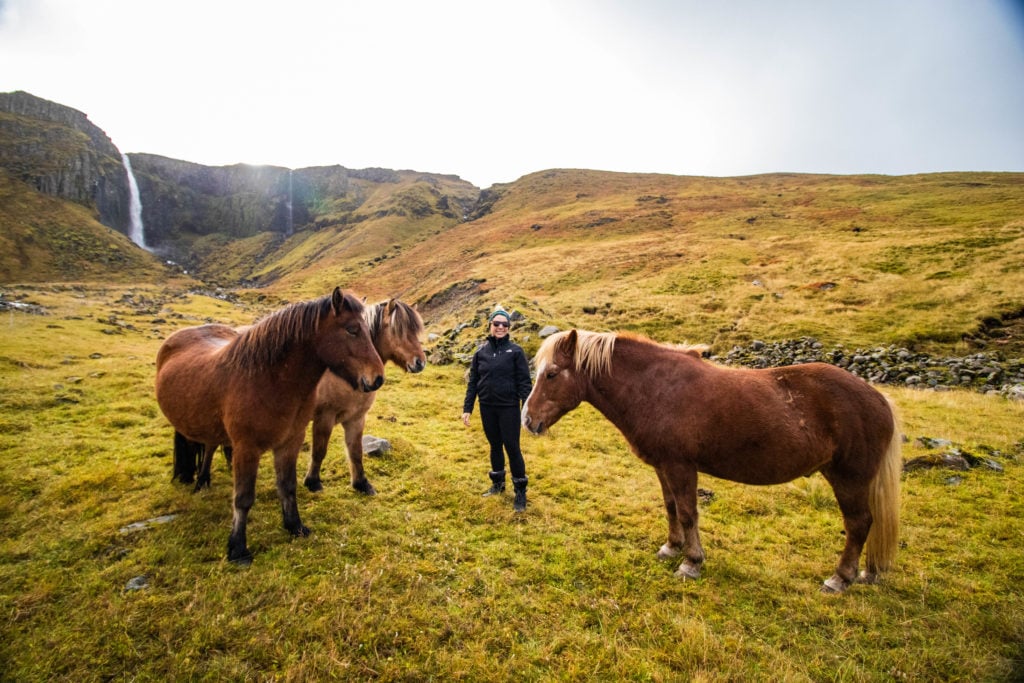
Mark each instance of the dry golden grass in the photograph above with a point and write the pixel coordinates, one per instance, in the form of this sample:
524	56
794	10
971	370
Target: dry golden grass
428	580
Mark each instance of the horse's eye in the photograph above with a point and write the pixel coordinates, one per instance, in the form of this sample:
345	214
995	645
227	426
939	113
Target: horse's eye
552	374
352	329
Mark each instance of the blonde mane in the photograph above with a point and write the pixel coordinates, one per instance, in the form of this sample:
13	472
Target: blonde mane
405	322
594	349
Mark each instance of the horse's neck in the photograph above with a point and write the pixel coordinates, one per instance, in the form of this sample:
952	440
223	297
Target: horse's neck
640	377
299	367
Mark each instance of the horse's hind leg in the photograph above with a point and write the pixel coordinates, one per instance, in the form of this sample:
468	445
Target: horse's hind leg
354	444
674	545
852	496
679	488
323	425
186	455
203	480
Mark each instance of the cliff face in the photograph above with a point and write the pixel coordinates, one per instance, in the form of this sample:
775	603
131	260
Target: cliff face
57	150
182	201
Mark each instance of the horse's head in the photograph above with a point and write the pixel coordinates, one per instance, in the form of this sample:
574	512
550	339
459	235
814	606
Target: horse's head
559	385
343	343
396	328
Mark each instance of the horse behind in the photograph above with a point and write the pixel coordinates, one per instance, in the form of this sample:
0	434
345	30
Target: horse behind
395	328
682	415
253	391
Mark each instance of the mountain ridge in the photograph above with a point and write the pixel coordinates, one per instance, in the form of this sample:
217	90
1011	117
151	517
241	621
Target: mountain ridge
920	260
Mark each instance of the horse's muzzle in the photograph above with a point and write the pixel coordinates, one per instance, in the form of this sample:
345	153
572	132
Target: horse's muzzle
531	426
376	384
416	365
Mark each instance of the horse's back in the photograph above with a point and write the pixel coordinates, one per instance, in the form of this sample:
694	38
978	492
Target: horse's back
203	340
768	426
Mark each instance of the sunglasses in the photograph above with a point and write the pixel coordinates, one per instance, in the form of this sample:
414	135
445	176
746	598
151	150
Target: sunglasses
499	323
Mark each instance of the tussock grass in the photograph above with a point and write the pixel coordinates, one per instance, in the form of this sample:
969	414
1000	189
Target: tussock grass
430	581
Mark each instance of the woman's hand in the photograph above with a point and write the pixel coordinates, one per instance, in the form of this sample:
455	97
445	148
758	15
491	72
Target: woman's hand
465	419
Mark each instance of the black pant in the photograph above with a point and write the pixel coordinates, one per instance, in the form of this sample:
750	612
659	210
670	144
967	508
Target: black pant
501	425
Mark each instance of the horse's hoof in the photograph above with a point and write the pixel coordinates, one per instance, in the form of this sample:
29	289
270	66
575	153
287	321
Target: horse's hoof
301	531
667	552
314	485
834	585
365	486
240	557
867	577
688	570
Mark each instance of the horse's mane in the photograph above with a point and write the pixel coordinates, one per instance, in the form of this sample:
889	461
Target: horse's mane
266	342
594	349
405	321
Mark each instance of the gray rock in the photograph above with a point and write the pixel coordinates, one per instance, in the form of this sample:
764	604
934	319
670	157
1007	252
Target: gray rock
375	446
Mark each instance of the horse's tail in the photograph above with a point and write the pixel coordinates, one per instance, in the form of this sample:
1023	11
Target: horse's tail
186	458
884	502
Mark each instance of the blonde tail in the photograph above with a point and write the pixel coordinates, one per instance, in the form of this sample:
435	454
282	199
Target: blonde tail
884	502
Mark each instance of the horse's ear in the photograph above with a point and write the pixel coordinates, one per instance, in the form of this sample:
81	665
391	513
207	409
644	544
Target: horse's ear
390	306
337	299
568	344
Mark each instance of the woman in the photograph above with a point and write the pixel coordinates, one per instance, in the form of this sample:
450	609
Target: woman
500	377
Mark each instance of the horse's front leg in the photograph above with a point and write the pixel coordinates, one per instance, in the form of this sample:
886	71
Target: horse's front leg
244	467
323	426
354	443
679	483
285	458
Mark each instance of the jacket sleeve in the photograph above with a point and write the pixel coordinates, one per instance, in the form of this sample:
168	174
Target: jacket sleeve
523	383
471	387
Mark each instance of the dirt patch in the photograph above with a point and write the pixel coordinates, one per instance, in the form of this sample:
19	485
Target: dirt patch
455	298
1004	334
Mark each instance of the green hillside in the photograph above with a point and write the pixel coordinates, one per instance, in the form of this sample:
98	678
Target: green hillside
919	261
45	239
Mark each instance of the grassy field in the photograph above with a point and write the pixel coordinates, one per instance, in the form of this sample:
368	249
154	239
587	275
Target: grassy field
429	581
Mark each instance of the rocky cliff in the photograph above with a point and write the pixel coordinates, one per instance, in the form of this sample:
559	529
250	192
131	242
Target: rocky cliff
60	152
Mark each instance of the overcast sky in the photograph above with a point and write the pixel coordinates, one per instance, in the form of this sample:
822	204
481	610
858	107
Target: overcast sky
492	90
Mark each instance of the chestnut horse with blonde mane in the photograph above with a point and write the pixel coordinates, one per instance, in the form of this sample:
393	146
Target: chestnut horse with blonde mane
254	391
682	415
395	328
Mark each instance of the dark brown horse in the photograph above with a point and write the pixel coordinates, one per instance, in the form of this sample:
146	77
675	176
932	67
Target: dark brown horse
395	329
683	415
255	391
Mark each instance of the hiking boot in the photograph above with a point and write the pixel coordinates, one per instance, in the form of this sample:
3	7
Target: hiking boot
519	504
497	483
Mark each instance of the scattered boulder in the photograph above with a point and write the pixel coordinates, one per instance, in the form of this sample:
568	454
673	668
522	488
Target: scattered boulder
987	372
138	583
375	446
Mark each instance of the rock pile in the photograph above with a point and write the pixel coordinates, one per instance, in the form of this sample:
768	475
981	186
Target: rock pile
986	372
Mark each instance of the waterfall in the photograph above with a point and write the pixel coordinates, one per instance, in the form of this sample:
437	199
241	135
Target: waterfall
137	233
291	223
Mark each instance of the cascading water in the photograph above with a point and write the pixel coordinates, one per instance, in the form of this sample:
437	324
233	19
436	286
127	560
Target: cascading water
134	206
291	222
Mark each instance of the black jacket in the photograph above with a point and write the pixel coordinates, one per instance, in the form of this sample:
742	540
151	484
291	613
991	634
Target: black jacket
499	375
